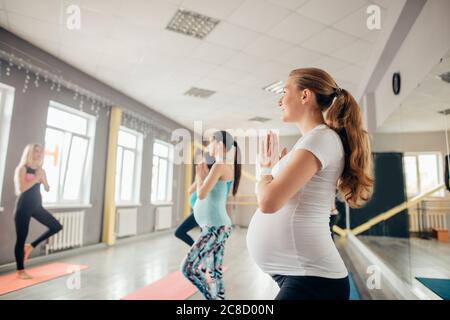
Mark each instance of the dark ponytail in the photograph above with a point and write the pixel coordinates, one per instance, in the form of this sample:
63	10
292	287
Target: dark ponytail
237	168
228	141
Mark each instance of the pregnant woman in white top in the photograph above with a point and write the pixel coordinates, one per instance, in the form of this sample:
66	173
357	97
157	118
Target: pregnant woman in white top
289	235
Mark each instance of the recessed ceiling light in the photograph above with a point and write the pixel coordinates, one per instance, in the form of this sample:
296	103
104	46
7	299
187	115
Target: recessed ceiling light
276	87
259	119
192	24
199	93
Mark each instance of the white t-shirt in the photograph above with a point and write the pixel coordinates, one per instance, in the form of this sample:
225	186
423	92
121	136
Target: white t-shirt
296	239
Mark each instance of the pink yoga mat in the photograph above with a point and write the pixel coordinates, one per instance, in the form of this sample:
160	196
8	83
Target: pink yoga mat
10	282
174	286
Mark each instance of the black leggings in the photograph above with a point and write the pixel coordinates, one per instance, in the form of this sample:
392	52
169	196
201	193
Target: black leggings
312	288
22	219
188	224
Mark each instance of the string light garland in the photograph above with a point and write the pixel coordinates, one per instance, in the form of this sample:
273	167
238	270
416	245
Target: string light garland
84	96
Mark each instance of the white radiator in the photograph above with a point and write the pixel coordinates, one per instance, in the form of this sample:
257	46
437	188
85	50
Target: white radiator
429	220
126	222
71	235
163	218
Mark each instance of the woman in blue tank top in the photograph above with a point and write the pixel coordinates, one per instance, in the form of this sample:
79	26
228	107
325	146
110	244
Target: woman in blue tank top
189	223
211	215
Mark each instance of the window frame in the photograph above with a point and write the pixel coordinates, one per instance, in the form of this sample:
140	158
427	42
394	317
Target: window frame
440	173
169	174
138	155
86	180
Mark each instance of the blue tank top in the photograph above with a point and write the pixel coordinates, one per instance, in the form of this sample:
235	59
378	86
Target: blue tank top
212	211
192	199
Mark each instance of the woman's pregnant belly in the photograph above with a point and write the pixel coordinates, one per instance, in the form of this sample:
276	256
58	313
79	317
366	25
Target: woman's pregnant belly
282	243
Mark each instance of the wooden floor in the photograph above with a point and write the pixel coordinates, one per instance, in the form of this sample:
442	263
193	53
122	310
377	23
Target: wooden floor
132	264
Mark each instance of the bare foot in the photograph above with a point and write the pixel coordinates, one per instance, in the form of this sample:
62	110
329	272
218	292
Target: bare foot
23	275
27	250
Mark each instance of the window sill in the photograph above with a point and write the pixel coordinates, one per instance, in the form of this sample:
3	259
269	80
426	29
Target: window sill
68	206
128	205
162	203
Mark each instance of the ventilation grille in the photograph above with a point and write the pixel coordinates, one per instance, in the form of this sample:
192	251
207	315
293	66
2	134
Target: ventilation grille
199	93
445	77
259	119
192	24
276	87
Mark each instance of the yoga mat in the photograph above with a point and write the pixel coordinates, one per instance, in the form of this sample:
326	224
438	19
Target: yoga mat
439	286
11	282
173	286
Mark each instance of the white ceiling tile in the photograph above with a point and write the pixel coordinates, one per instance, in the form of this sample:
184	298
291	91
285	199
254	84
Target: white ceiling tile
173	43
232	36
298	57
110	7
227	73
75	38
244	62
328	41
351	74
218	9
123	31
213	53
44	10
125	51
357	53
289	4
258	15
27	27
268	47
111	62
149	13
272	68
329	12
195	67
356	23
296	28
330	65
97	24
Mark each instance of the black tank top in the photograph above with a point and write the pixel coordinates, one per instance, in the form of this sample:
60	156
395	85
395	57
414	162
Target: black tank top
34	193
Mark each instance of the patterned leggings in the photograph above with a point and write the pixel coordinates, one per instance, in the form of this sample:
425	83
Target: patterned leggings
207	252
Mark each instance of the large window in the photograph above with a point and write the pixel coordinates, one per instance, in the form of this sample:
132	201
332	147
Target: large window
69	144
423	172
128	166
6	106
162	172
